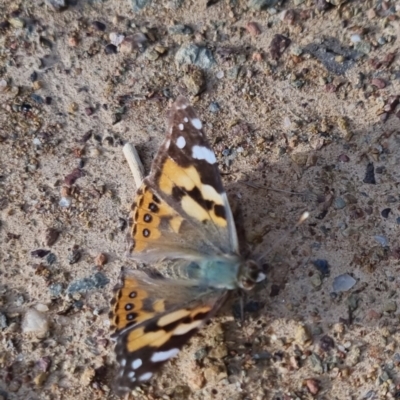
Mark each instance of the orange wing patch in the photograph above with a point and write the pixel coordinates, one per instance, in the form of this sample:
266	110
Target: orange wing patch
148	214
176	323
199	201
128	305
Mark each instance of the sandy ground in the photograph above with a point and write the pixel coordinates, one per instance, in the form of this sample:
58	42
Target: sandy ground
294	129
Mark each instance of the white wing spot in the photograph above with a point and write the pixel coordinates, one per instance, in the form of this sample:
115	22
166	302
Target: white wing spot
164	355
136	363
131	376
122	363
185	119
196	123
167	143
181	142
180	127
146	376
204	153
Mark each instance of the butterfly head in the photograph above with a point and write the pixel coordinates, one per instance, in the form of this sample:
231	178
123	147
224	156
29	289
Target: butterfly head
250	273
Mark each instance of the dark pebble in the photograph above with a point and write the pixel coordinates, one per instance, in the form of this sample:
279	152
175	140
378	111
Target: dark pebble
26	107
111	49
86	137
89	111
322	266
322	5
380	170
34	76
385	212
48	100
39	253
51	258
391	199
43	364
370	174
122	224
74	256
398	220
4	25
51	236
344	158
71	178
278	45
99	26
275	290
326	343
117	117
45	42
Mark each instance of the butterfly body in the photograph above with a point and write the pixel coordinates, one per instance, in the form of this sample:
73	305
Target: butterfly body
181	214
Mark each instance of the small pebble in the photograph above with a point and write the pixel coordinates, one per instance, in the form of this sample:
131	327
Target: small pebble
339	203
116	39
253	29
214	107
35	322
302	335
370	174
344	158
326	343
262	4
220	74
40	253
111	49
100	259
195	55
51	236
99	26
382	240
73	41
3	321
379	83
355	38
343	283
322	266
55	290
312	386
65	202
95	281
390	307
385	212
74	255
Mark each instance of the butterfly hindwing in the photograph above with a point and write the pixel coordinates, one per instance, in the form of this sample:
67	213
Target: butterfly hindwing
166	315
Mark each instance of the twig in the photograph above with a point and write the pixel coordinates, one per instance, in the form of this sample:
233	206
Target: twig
135	164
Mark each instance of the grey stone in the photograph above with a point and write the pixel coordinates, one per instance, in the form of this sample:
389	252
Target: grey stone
261	4
96	281
195	55
138	5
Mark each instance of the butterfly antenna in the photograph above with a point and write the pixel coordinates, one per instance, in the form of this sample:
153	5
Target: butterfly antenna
302	218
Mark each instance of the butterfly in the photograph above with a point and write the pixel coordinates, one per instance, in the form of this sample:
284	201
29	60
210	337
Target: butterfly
181	213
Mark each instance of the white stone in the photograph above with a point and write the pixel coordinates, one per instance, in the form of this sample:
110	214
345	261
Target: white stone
35	322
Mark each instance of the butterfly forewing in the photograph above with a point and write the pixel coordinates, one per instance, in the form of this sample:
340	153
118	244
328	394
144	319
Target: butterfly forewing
185	177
